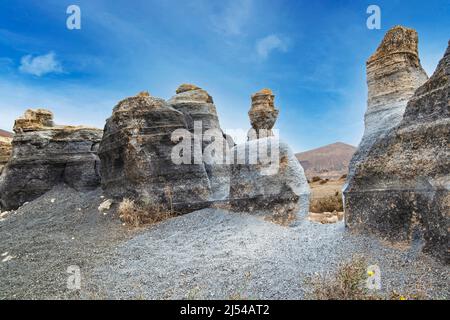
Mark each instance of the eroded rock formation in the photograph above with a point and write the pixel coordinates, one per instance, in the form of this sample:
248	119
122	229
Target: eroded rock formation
202	119
263	114
136	156
44	155
393	75
401	189
266	177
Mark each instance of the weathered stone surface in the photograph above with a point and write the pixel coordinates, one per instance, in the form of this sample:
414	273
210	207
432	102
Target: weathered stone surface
268	179
263	114
136	157
202	119
393	74
44	155
401	189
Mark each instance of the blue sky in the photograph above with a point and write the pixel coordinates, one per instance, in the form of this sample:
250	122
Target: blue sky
310	53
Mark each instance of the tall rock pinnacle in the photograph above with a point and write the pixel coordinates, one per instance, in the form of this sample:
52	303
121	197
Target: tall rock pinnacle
393	75
400	190
263	113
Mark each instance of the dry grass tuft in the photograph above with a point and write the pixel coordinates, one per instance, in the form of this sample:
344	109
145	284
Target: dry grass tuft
282	219
327	204
348	283
136	215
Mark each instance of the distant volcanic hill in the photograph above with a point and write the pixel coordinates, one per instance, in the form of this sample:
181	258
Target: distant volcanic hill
5	134
330	161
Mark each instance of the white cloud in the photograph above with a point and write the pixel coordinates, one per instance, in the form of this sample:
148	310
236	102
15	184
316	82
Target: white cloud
40	65
233	17
267	44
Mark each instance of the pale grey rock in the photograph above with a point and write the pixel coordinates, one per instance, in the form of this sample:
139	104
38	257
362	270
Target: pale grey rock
268	179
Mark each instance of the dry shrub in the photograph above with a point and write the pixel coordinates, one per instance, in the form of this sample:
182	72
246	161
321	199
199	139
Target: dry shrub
316	178
282	219
136	215
343	177
348	283
324	181
327	204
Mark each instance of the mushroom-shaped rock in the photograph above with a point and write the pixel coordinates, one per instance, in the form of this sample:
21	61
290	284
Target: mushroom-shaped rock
263	114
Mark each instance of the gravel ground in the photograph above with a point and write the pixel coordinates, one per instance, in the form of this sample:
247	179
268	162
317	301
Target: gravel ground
208	254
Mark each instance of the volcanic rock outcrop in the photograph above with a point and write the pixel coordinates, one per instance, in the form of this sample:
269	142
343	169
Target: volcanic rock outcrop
393	75
263	114
266	177
44	155
202	120
401	189
136	156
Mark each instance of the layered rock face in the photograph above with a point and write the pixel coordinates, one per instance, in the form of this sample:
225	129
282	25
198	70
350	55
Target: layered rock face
44	155
393	75
401	190
136	157
202	120
266	177
263	114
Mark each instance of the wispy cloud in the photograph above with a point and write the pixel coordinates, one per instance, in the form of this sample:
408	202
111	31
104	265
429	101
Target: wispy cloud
40	65
233	17
267	44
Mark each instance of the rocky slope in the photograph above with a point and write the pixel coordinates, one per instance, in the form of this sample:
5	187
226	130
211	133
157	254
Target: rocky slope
208	254
401	189
328	162
44	155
